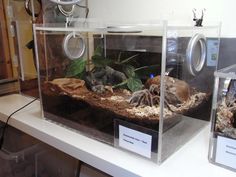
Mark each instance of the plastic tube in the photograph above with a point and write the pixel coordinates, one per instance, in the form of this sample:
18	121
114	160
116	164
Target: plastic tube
63	2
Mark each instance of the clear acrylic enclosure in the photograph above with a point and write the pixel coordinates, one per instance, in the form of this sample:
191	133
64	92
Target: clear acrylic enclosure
51	162
17	153
17	60
222	148
141	87
20	17
8	81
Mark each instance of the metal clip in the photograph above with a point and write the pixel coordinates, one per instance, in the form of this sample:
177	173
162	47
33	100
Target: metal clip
198	20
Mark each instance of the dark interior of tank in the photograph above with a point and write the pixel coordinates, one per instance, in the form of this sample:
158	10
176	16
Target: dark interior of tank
99	123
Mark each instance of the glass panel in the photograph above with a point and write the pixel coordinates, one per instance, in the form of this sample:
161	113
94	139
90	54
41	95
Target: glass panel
23	45
92	76
22	15
191	60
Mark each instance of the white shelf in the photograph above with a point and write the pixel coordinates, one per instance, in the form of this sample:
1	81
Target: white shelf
190	160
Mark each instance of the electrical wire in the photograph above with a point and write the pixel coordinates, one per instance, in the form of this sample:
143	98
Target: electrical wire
61	2
84	7
70	13
8	118
65	12
28	7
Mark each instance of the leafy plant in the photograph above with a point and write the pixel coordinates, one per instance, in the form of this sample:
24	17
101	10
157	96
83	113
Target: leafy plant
100	61
129	70
98	51
133	82
76	68
133	57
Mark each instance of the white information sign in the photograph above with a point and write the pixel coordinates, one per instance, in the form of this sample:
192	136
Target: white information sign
135	141
212	52
226	152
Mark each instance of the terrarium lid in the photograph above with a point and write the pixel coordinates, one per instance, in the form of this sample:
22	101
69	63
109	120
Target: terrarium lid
93	24
228	72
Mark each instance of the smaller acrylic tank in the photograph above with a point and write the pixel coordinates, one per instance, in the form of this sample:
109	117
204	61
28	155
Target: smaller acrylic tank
142	87
20	17
223	131
17	153
51	162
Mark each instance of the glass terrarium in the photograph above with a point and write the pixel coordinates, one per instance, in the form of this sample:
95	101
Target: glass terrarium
142	87
223	131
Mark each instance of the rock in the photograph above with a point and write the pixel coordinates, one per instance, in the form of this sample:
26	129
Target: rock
177	91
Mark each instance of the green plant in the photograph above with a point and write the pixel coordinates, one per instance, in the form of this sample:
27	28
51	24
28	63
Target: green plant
133	81
76	68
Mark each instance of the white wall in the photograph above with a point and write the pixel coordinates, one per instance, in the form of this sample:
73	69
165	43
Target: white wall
127	10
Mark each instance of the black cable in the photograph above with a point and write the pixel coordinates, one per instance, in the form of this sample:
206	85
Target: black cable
27	7
85	7
8	118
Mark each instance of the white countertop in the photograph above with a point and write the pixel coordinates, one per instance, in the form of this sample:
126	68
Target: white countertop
190	161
